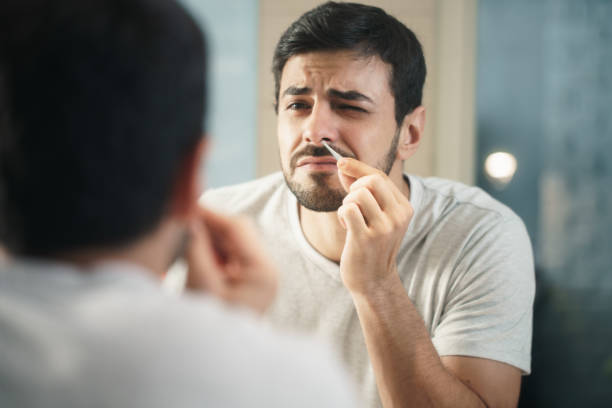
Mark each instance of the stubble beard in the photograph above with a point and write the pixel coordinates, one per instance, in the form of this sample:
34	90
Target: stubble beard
319	196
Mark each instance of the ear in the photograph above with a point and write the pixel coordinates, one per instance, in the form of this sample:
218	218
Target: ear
187	188
411	132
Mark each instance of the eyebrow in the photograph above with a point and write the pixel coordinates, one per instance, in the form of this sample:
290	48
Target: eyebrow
294	90
349	95
346	95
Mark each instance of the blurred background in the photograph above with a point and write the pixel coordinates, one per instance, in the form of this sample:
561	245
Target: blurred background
519	102
544	94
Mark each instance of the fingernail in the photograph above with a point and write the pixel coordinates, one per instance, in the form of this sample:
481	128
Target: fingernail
341	162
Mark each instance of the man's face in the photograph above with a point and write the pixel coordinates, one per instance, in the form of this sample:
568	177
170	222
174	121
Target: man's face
343	99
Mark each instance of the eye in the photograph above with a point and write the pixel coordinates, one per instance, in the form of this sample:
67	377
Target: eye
352	108
298	106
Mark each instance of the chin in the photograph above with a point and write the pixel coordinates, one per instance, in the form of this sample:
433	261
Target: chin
317	194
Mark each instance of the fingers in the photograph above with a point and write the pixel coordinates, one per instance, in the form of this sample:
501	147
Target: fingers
381	188
381	205
214	254
351	217
233	238
355	168
360	208
204	272
346	181
244	274
366	204
351	171
236	239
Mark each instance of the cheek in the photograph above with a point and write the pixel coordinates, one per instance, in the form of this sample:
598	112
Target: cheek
369	144
360	146
287	141
288	138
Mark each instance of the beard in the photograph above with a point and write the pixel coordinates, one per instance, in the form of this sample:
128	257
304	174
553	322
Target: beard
318	195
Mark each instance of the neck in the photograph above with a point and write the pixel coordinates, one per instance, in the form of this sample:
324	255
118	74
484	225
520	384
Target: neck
153	252
324	232
323	229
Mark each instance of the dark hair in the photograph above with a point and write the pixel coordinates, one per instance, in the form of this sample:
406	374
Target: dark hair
100	102
367	30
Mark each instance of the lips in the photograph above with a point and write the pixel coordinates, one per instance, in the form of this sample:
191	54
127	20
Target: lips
315	160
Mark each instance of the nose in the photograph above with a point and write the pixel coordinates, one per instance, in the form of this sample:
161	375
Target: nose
320	125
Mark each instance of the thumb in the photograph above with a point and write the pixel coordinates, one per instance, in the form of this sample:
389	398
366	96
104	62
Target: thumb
204	273
345	180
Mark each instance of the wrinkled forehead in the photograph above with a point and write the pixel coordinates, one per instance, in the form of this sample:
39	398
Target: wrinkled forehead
340	70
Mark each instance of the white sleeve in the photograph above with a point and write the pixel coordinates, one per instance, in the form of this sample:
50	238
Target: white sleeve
490	303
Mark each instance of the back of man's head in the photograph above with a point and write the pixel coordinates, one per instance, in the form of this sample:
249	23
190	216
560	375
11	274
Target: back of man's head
100	102
368	31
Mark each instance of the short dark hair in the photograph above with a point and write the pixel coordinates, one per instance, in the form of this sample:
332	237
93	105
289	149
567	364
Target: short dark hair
367	30
100	103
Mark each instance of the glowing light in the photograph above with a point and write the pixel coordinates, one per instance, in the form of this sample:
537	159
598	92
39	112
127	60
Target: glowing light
500	167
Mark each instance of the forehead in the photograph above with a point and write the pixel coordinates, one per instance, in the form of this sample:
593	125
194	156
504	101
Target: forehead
341	70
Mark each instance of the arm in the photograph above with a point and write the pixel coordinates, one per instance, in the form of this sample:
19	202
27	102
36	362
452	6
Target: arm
407	367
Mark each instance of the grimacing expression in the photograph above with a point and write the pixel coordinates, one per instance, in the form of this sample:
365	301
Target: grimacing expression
344	99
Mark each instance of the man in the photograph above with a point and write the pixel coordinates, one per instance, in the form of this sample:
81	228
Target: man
425	285
101	106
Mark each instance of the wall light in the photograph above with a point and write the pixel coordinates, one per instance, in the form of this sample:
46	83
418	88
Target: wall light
500	168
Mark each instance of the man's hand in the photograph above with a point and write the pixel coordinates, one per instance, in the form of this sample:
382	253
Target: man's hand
226	260
376	215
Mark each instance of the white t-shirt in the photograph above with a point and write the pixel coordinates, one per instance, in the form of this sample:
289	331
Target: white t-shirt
109	337
465	261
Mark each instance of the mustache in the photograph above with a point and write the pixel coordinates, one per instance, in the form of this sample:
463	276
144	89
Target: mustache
318	151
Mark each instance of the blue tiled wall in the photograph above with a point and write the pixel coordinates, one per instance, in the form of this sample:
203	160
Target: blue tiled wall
544	91
232	33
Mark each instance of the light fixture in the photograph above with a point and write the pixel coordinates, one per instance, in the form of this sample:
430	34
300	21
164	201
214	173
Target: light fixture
500	168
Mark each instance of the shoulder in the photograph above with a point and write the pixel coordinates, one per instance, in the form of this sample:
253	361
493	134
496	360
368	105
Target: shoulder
448	193
241	197
449	206
486	243
470	232
97	337
216	347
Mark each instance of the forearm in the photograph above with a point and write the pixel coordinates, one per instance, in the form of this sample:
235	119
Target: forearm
407	367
